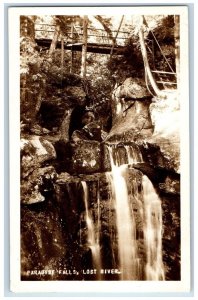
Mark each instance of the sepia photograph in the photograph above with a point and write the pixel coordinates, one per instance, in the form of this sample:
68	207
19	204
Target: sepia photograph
102	129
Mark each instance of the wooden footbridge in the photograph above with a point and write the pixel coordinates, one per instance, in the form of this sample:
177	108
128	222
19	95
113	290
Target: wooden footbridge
98	40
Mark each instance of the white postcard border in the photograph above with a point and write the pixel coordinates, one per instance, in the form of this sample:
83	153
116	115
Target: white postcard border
14	117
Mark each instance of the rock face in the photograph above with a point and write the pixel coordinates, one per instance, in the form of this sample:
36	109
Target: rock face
58	159
62	98
134	124
35	153
171	236
91	131
152	123
42	239
85	157
131	89
130	111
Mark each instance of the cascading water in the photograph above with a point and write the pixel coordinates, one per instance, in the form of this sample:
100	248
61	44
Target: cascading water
148	205
152	231
133	154
92	238
126	228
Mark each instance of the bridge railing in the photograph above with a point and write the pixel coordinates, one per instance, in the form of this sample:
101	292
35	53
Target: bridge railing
75	34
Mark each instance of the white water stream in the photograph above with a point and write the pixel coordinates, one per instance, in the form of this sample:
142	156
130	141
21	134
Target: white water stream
92	237
150	214
125	199
152	231
126	228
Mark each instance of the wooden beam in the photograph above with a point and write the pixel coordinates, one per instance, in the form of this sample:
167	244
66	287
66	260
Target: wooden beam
91	47
163	72
167	82
84	47
148	73
62	57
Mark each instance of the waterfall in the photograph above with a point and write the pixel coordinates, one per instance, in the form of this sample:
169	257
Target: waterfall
126	228
92	238
132	205
133	154
152	232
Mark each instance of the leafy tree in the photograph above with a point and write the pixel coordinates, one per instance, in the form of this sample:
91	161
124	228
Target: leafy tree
32	80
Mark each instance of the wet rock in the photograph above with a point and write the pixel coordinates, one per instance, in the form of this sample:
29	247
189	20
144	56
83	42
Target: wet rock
165	181
155	126
42	241
34	152
36	184
124	95
36	178
76	95
94	131
64	94
170	185
86	157
133	125
171	235
78	135
91	131
38	130
133	88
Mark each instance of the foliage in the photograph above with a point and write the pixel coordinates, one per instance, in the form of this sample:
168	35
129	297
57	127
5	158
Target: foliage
164	30
164	34
37	68
32	79
130	64
106	23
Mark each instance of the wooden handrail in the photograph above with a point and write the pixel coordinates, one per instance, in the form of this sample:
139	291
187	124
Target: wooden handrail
167	82
163	72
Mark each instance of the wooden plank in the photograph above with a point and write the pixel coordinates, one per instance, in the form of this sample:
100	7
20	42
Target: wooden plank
165	82
94	48
162	72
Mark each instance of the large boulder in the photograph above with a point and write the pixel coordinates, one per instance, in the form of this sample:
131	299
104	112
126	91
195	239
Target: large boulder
135	123
154	123
91	131
131	89
85	157
35	151
130	111
36	176
37	184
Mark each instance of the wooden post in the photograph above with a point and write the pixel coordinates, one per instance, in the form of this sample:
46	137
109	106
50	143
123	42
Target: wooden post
114	41
62	57
145	59
72	53
54	40
84	47
177	50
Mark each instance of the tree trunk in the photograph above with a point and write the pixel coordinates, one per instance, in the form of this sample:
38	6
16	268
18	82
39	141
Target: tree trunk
54	40
84	47
177	51
145	59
